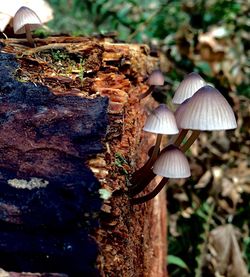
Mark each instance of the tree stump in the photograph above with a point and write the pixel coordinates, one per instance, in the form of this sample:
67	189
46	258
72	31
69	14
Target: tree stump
70	136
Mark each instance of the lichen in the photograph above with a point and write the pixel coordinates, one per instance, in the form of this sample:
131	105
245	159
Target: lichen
24	184
105	194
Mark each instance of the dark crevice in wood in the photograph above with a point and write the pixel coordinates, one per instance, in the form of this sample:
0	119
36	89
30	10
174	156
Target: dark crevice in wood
46	139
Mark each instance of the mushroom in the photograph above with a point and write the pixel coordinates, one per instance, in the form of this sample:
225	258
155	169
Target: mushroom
25	21
8	10
172	163
206	110
187	88
160	121
156	78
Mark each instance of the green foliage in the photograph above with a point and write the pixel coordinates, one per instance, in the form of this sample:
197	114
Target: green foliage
143	17
241	220
174	26
205	212
190	243
173	260
246	250
59	55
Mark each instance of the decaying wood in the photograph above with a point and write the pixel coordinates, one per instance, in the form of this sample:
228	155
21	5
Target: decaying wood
56	119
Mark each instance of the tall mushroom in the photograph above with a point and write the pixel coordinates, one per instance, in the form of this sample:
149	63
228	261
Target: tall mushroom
206	110
25	21
187	88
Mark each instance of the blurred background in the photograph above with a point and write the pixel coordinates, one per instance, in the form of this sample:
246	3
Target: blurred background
209	214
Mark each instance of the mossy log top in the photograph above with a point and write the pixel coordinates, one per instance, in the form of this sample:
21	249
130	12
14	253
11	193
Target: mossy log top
71	124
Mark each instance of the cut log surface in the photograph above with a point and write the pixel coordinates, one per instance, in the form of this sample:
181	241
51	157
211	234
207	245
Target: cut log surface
70	136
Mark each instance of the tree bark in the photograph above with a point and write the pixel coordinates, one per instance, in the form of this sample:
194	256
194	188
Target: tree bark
70	136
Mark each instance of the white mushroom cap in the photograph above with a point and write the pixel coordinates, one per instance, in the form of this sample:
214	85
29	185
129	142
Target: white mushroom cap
187	88
4	20
25	16
206	110
172	163
161	121
156	78
8	10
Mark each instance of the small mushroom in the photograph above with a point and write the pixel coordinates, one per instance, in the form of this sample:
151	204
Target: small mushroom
8	10
172	163
156	78
25	21
161	121
187	88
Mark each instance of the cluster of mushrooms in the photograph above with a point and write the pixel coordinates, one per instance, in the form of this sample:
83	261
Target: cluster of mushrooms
201	107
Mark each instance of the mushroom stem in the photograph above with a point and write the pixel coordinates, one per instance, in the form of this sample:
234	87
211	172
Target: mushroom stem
29	35
145	94
147	166
180	137
190	140
152	194
137	175
177	140
145	179
156	149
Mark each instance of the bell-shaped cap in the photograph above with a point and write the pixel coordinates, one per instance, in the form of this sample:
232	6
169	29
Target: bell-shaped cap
161	121
172	163
206	110
156	78
8	10
25	16
178	113
187	88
